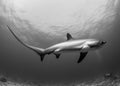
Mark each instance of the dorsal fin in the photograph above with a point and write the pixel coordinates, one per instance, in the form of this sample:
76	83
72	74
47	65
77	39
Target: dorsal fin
69	37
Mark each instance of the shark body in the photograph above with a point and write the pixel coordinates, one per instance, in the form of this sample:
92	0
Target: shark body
71	45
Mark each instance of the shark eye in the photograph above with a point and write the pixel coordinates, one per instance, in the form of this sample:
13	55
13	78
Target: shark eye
102	42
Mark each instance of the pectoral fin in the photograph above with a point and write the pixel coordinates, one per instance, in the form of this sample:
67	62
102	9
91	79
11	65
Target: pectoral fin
82	56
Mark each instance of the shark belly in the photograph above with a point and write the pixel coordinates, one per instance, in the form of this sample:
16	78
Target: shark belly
65	50
88	49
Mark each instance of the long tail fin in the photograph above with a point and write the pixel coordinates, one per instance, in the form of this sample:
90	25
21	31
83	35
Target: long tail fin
39	51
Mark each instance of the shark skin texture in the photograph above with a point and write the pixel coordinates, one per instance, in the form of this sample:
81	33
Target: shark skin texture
70	45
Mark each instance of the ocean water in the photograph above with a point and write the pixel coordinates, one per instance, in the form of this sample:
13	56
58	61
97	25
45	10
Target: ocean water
18	61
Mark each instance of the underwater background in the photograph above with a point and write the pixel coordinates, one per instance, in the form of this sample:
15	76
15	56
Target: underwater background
43	23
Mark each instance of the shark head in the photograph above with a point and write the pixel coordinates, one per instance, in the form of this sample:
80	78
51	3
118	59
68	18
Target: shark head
97	44
101	43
